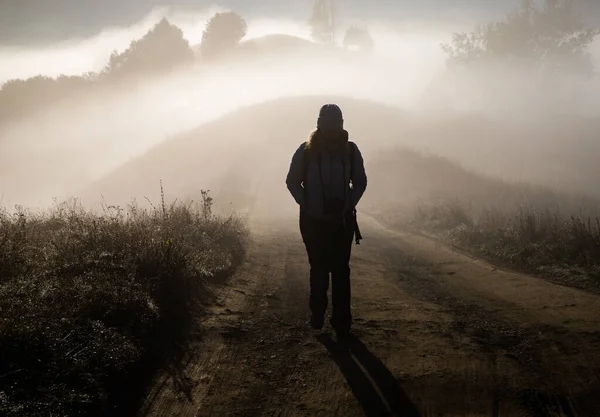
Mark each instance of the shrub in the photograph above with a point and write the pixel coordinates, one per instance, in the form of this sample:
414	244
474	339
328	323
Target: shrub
89	302
537	240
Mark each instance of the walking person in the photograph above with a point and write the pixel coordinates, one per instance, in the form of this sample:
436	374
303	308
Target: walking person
327	179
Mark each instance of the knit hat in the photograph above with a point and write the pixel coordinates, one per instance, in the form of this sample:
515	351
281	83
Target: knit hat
330	117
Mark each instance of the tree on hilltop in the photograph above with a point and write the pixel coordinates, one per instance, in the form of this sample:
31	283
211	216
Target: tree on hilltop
322	22
161	49
223	32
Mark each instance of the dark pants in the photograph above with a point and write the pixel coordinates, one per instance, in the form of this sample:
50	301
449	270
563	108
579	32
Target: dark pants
328	246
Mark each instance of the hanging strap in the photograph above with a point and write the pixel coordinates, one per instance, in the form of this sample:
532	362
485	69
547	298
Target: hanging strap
357	235
305	168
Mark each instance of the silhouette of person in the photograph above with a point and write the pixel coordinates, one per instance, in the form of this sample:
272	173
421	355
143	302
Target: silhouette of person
327	179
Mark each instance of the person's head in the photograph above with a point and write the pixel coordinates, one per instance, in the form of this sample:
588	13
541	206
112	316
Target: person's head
330	133
331	121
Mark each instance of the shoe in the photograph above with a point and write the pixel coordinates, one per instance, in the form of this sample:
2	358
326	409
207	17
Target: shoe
317	322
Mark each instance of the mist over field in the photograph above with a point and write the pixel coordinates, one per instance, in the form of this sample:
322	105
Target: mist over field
150	260
64	149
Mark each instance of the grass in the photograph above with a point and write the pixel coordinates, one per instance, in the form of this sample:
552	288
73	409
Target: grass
519	225
92	303
543	241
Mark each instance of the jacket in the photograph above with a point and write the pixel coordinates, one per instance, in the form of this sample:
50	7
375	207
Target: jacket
326	175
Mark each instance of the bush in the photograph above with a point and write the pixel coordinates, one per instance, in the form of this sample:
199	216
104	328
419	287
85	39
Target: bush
521	225
535	240
90	302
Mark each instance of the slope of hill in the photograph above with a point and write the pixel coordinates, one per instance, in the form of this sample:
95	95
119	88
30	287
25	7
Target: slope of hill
243	159
553	234
258	316
229	152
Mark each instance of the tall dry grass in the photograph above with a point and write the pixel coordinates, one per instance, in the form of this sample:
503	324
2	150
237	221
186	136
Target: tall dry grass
541	241
521	225
92	302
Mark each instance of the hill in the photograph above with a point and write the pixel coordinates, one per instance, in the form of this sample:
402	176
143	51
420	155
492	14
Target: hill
232	152
273	44
243	159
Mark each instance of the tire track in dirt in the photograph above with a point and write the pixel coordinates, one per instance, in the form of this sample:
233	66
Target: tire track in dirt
438	334
261	371
551	349
184	391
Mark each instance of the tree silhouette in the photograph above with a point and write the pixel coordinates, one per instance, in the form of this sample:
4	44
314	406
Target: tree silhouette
358	37
21	97
550	37
321	22
161	49
223	33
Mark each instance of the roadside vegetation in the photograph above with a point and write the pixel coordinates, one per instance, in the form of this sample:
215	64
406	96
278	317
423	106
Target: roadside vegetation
519	225
548	242
92	303
532	228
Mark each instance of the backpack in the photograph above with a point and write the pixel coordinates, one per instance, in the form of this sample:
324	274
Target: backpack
351	153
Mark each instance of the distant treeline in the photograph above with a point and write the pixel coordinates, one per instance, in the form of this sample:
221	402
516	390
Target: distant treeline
159	51
548	38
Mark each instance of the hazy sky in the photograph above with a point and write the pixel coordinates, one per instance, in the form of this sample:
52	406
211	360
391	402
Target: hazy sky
26	21
53	37
43	21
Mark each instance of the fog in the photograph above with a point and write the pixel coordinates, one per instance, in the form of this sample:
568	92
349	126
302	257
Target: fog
87	146
412	42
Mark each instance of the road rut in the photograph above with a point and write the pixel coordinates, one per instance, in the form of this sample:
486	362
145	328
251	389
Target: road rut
437	333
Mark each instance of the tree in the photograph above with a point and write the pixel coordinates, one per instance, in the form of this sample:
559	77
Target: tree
22	97
223	33
321	22
161	49
358	37
550	37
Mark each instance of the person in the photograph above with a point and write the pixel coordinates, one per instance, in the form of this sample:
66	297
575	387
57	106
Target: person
327	179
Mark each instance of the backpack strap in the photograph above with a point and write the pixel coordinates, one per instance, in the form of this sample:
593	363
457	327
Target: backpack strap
351	154
305	167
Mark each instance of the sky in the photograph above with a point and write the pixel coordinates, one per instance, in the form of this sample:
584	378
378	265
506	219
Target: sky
75	48
42	21
76	36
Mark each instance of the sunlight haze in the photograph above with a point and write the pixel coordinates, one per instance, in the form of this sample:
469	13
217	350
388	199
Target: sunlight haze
98	133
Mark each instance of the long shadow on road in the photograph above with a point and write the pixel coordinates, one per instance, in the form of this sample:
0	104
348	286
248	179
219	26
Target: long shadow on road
383	396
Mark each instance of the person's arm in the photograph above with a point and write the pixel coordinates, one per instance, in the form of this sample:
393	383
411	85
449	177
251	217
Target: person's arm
295	176
359	178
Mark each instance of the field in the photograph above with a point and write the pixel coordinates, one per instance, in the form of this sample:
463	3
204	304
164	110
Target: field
475	289
170	309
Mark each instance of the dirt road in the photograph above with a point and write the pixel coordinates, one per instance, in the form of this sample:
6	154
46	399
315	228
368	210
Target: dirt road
437	334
